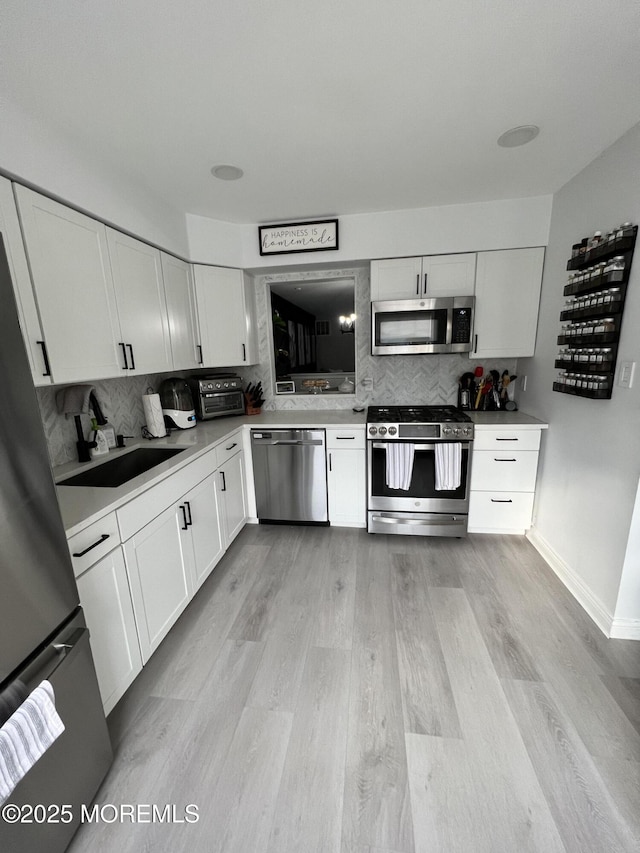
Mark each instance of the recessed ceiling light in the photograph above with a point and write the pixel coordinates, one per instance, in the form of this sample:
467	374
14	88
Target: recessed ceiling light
227	173
518	136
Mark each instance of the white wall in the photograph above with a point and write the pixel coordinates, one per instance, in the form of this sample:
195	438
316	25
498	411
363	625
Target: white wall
49	159
627	616
590	462
508	224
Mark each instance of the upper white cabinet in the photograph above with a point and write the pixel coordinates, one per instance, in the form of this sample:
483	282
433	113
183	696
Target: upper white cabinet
71	276
181	310
224	320
428	276
144	327
25	300
507	296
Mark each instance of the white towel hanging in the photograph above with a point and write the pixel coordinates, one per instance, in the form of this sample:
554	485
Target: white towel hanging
26	736
448	466
400	457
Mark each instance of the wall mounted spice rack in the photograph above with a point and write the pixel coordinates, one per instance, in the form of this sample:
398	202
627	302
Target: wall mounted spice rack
592	317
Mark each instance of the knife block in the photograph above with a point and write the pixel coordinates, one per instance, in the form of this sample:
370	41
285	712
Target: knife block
249	408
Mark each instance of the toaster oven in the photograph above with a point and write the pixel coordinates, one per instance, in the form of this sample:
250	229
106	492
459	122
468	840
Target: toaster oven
217	396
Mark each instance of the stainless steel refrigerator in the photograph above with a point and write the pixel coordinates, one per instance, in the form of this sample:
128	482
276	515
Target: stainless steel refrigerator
43	634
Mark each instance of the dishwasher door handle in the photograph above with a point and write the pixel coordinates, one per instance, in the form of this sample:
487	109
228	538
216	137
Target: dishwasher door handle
295	442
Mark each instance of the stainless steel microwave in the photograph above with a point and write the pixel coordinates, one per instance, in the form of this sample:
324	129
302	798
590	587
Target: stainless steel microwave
414	326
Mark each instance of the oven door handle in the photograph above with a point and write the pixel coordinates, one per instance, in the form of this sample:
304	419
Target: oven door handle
418	447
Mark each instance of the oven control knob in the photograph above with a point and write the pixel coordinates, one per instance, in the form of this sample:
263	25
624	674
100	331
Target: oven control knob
373	430
457	431
466	430
218	385
226	384
392	430
383	430
446	430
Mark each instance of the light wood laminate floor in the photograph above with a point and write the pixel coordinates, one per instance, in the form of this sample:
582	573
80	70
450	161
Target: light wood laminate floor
332	691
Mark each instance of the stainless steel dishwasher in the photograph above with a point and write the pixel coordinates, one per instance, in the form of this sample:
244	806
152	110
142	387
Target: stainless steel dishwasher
290	475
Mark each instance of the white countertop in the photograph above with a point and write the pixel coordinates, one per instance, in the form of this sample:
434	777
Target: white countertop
491	420
83	505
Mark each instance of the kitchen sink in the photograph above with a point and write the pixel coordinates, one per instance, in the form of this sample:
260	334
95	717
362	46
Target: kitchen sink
123	468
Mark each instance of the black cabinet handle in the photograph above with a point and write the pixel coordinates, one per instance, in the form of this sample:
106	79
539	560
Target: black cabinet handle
475	343
417	284
185	525
425	284
199	348
506	439
345	437
244	352
224	482
330	468
498	501
124	355
231	446
188	506
45	358
504	460
133	364
91	547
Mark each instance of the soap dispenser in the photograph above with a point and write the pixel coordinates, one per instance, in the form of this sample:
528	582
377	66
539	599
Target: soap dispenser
101	445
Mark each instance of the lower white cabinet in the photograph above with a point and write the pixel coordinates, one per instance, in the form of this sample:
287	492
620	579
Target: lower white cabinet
346	477
161	573
202	509
106	601
233	496
503	480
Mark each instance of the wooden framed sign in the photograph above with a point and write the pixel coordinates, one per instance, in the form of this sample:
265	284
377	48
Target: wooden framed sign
318	236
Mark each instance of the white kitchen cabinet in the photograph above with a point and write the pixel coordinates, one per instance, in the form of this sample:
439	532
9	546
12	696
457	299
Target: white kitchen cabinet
226	334
205	527
22	288
140	299
507	297
428	276
162	575
73	285
181	311
503	479
106	601
232	490
346	477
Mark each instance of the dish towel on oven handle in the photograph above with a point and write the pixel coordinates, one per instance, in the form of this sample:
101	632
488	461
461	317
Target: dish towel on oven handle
448	465
26	736
400	464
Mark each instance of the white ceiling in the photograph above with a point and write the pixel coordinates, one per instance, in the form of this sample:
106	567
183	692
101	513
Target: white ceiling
331	107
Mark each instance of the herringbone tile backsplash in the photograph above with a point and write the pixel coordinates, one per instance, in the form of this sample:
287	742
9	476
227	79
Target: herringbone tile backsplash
422	379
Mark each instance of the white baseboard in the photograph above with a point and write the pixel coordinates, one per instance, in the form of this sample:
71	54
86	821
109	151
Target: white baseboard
577	587
625	629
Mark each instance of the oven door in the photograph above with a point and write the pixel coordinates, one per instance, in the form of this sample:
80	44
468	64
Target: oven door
220	403
422	495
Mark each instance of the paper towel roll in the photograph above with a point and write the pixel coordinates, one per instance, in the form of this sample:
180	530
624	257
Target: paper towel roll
153	415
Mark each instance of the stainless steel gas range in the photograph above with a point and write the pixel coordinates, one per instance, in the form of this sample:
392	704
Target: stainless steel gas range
418	470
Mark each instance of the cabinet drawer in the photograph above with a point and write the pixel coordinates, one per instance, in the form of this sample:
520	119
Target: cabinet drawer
507	439
93	543
500	511
500	470
228	448
345	439
134	515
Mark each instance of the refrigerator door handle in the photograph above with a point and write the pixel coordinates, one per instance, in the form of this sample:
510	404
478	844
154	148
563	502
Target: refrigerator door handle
43	668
